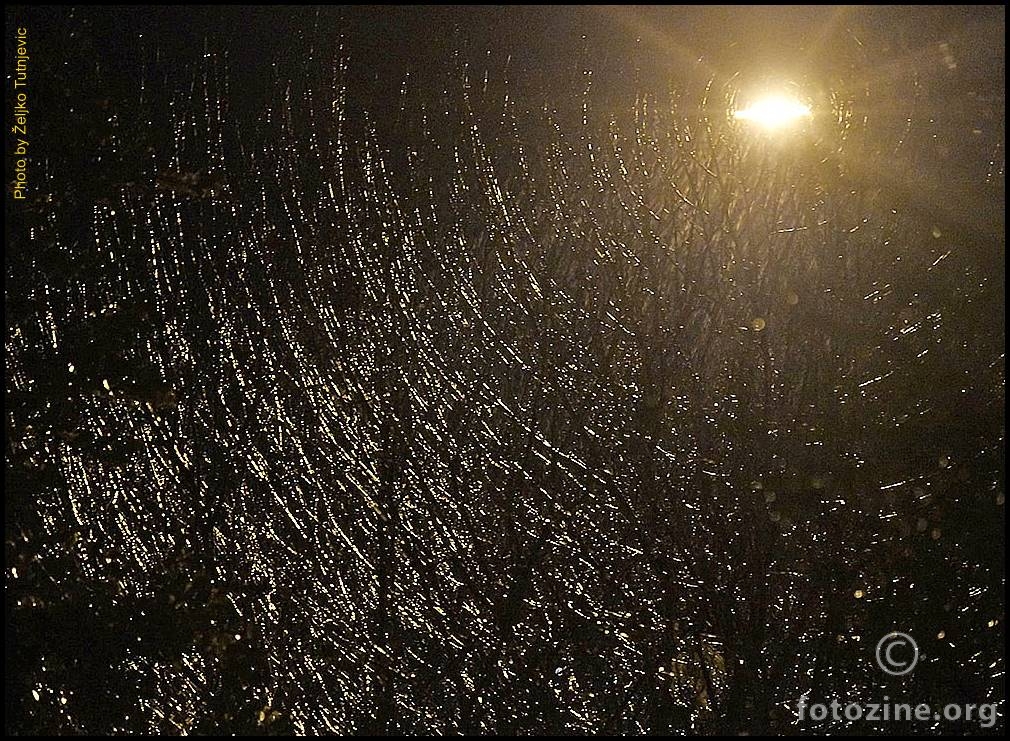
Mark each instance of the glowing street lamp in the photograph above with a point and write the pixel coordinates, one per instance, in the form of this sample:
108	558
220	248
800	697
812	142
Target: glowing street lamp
774	112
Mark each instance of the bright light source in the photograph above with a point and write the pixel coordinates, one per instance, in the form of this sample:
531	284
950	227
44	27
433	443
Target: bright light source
774	112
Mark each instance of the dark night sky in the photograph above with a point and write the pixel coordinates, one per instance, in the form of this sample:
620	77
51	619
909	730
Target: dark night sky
219	271
895	48
389	39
